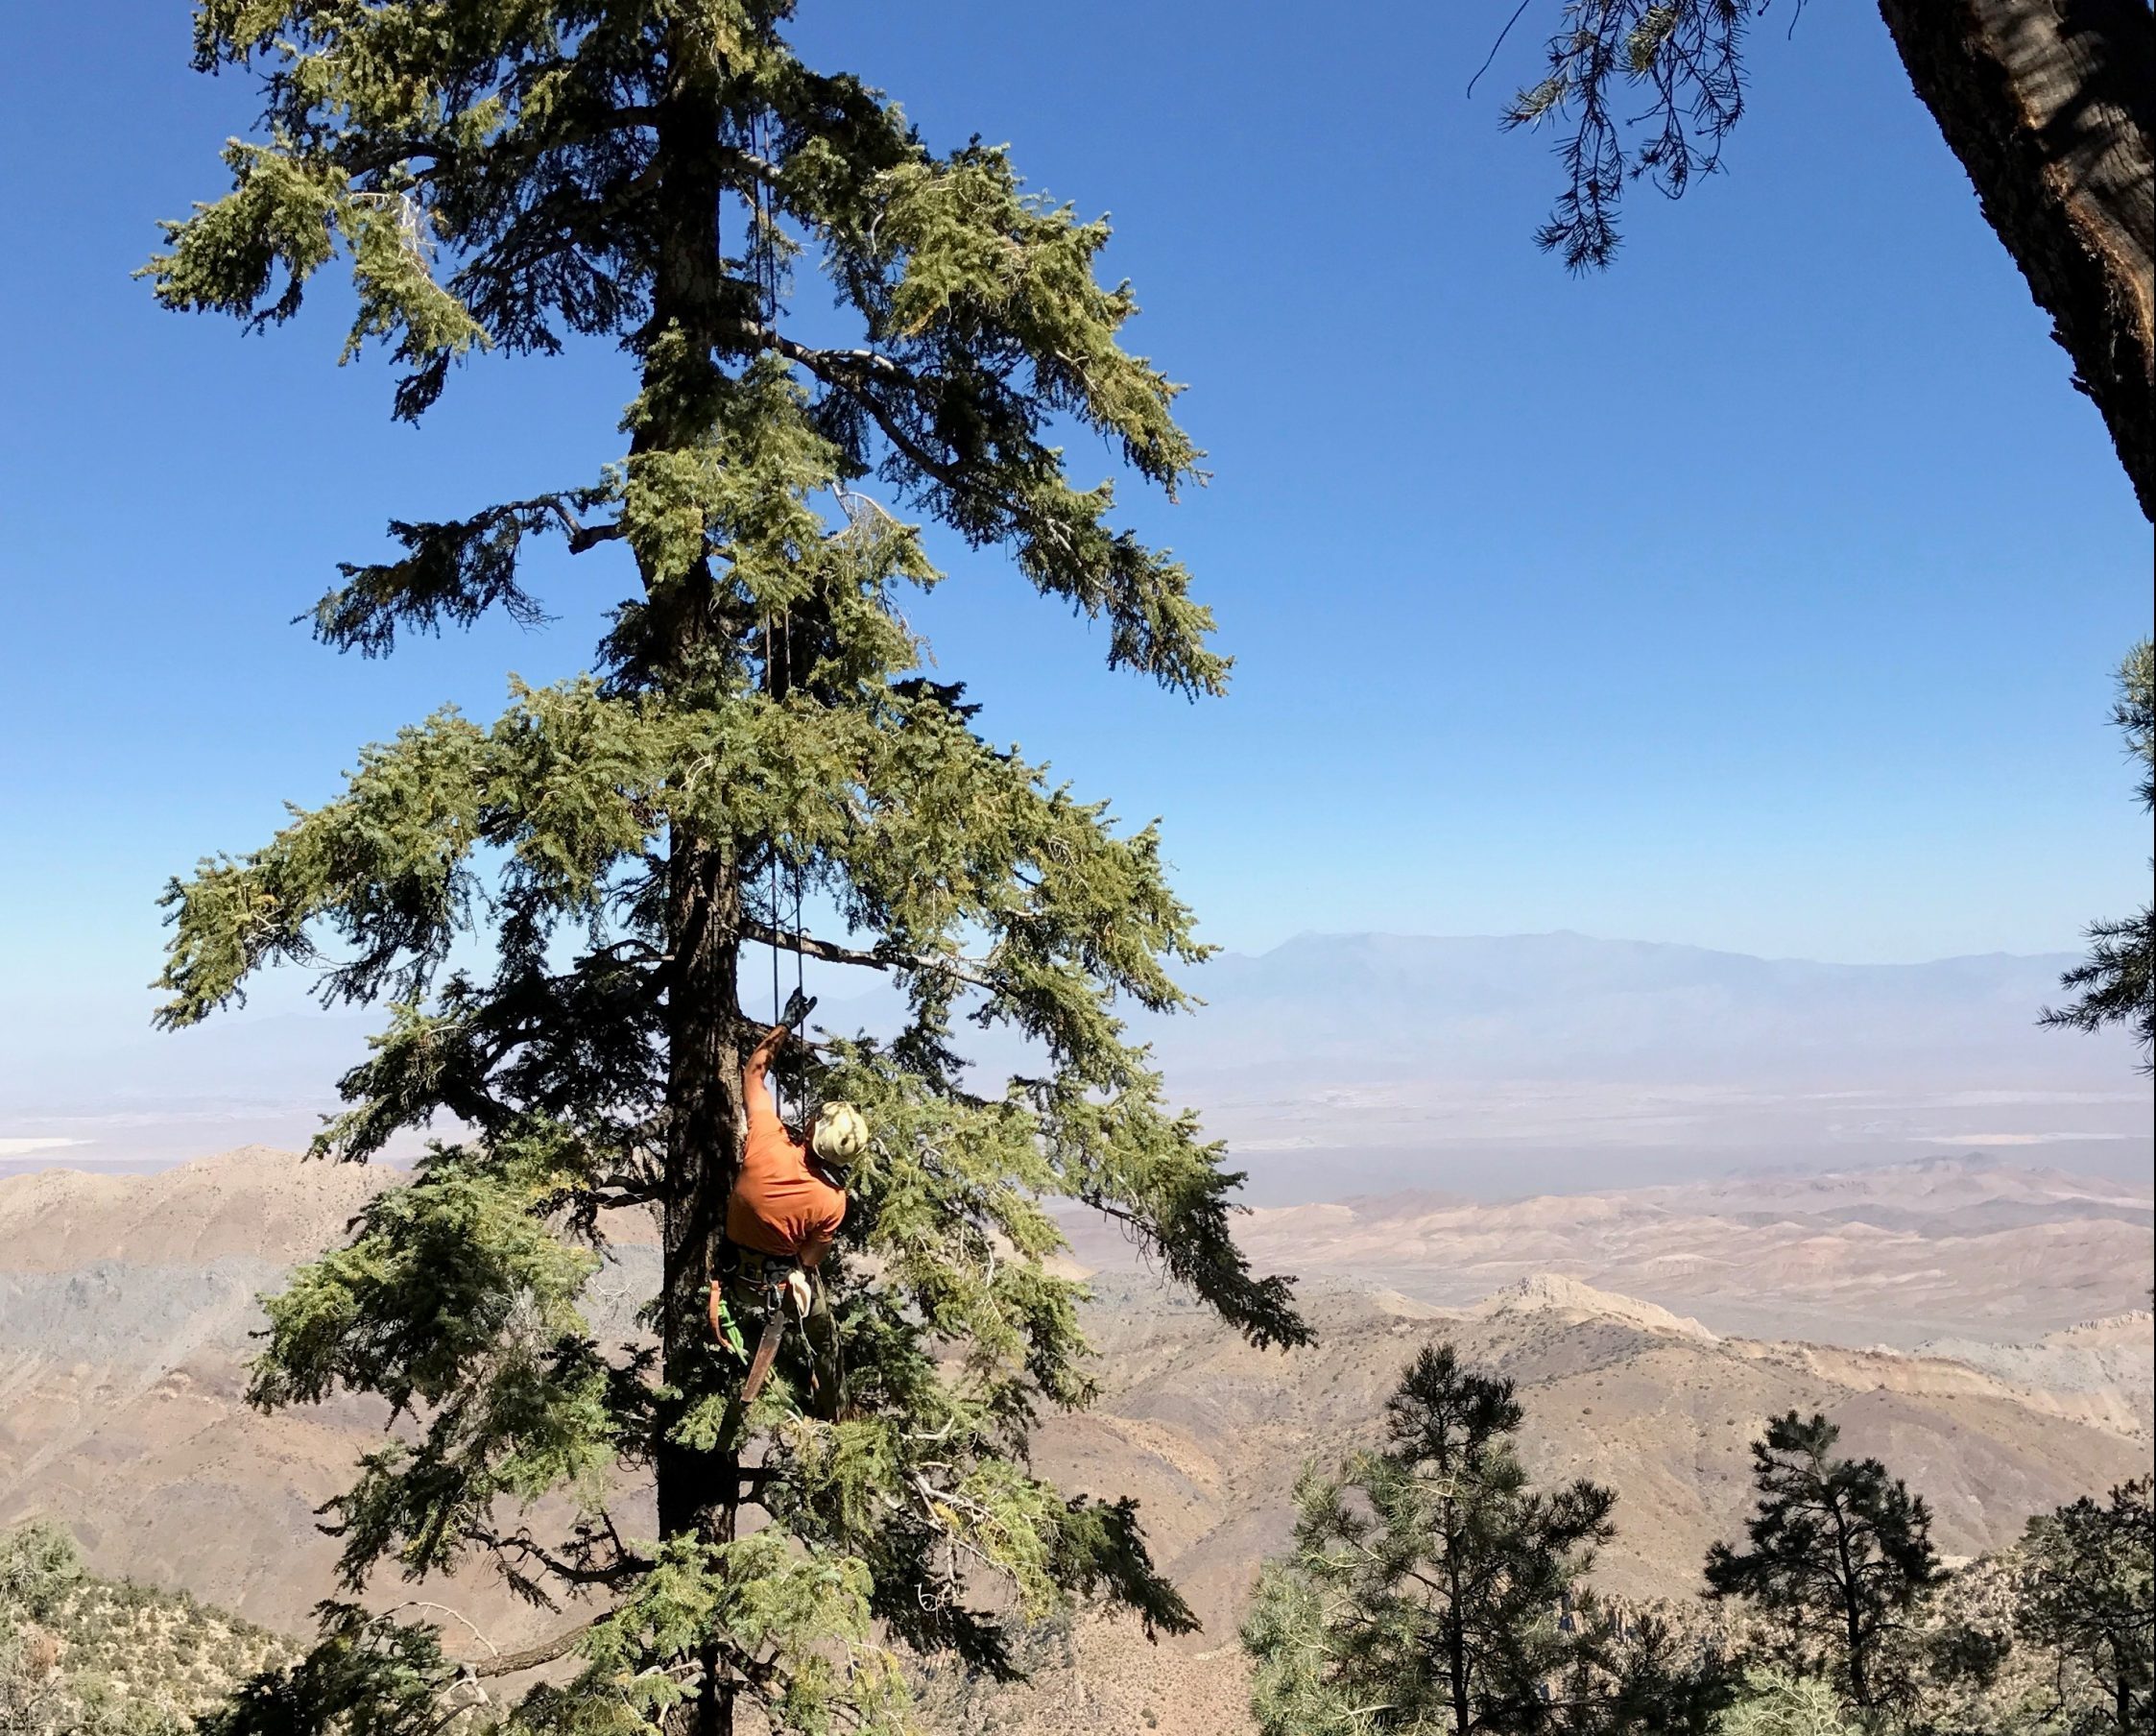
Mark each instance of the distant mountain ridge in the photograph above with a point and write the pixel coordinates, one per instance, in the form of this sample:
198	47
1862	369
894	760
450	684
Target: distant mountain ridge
1553	1003
1496	1066
1343	1063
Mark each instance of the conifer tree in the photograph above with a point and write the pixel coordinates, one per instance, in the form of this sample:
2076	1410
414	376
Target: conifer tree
1839	1549
2116	983
757	737
1426	1587
1631	1672
2087	1595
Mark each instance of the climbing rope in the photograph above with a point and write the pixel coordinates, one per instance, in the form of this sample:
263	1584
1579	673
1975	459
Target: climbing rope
779	683
762	258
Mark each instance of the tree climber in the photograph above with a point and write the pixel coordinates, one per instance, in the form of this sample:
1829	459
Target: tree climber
787	1203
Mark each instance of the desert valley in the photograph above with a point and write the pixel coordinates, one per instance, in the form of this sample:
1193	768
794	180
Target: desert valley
1982	1327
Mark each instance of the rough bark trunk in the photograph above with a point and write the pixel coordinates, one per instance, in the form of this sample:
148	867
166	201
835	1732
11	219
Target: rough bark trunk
2048	104
1851	1611
697	1491
698	1494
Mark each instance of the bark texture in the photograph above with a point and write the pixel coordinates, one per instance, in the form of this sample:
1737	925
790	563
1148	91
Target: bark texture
698	1494
2048	104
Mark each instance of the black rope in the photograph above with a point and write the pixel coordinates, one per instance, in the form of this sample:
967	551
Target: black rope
779	676
770	846
786	676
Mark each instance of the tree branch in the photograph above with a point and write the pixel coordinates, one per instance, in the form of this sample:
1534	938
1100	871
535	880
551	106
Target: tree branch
971	972
583	536
511	1663
530	1549
821	362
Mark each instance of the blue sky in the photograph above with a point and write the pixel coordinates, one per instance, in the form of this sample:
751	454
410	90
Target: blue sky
1759	593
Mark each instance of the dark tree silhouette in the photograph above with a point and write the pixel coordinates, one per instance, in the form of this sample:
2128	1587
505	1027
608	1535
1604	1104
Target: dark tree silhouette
1837	1547
2116	983
1432	1588
2087	1595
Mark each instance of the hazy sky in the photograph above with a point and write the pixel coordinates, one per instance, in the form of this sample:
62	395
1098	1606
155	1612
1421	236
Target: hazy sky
1759	593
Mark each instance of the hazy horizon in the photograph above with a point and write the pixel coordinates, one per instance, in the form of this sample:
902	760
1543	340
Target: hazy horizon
1340	1064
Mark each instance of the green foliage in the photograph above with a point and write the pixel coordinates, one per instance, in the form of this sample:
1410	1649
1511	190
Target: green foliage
1642	88
39	1565
2116	983
1774	1702
82	1656
551	907
1635	1673
1429	1589
2088	1599
368	1675
1839	1551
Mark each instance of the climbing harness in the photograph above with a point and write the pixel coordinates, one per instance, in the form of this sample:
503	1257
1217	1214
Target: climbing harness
785	1289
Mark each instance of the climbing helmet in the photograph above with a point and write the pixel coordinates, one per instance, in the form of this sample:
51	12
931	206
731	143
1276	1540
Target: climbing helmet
841	1134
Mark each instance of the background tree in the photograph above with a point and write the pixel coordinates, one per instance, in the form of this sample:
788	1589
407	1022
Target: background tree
757	731
1773	1702
1426	1582
1839	1550
1632	1673
2117	981
2049	104
2087	1595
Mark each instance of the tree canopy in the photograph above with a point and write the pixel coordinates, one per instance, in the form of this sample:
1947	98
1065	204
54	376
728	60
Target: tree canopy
1432	1589
1839	1551
757	737
2088	1597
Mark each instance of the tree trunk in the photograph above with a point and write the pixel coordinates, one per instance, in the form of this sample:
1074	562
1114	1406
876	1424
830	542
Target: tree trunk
698	1494
1846	1588
1455	1618
2048	103
697	1491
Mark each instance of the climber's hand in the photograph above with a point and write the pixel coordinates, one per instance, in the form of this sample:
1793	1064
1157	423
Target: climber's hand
798	1008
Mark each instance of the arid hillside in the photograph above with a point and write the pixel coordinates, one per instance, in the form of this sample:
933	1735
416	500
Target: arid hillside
125	1305
1944	1247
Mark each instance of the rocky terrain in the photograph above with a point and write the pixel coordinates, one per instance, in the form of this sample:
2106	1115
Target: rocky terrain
1958	1247
1641	1328
84	1656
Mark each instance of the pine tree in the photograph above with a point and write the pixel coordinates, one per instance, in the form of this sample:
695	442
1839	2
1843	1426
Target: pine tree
1838	1548
2087	1593
1775	1704
1426	1587
1633	1673
509	175
2118	979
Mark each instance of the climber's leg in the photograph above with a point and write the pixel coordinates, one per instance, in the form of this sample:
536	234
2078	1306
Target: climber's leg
827	1375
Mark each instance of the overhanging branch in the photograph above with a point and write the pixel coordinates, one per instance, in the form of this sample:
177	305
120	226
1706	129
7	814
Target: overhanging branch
971	972
512	1663
583	536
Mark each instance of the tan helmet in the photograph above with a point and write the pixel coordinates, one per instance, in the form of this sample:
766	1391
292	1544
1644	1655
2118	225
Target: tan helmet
840	1136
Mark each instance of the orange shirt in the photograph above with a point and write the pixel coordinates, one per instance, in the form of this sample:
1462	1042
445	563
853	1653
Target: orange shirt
779	1205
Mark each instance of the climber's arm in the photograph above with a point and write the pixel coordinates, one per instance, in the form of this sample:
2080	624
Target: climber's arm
756	1090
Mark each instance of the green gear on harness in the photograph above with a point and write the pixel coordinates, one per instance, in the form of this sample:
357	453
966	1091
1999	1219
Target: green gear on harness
723	1325
773	1288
